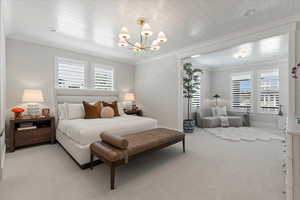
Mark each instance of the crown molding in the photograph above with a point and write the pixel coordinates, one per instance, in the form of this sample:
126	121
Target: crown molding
274	28
265	63
114	59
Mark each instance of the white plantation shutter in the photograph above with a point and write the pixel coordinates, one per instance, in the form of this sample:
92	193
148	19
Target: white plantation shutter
268	90
70	73
103	78
241	91
196	100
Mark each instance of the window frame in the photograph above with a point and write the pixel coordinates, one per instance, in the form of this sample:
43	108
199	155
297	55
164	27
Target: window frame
88	73
252	92
258	90
59	60
92	75
200	100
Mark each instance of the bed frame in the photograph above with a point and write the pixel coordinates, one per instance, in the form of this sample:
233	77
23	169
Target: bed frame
79	153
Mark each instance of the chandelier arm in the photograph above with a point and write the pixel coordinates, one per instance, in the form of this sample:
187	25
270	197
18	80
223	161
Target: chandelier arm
130	43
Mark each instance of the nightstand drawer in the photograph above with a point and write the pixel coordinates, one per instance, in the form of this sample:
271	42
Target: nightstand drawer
28	137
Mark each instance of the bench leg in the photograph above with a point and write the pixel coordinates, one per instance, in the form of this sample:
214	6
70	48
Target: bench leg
92	161
112	176
183	145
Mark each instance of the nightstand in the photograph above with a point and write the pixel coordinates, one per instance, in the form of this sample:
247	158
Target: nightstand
30	131
134	112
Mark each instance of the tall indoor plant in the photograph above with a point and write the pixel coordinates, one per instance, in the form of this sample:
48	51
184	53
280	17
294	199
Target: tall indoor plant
191	84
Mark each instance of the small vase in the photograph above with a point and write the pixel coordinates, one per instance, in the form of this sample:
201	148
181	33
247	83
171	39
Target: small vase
18	115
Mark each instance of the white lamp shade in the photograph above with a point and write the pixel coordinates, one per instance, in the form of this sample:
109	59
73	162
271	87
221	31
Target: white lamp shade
162	37
32	96
129	97
124	33
146	30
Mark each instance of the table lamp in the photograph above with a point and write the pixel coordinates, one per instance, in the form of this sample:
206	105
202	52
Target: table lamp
129	97
33	98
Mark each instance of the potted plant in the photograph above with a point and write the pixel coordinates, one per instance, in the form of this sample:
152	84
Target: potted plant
18	112
191	84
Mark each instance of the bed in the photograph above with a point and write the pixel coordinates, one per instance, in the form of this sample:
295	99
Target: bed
75	134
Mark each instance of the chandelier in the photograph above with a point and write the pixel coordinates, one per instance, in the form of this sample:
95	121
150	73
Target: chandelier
144	43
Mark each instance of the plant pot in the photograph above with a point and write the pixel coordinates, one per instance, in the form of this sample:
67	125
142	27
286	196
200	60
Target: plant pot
18	115
188	125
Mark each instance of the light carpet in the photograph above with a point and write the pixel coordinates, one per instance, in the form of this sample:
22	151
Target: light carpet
244	134
211	169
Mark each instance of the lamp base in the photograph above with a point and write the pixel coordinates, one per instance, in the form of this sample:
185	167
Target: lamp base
33	109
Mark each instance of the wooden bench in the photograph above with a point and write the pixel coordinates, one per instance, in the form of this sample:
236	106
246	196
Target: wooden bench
116	150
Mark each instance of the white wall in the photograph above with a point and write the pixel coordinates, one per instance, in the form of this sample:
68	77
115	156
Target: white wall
32	66
157	89
221	81
2	84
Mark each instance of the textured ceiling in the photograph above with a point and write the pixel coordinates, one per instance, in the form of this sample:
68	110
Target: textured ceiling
269	49
92	26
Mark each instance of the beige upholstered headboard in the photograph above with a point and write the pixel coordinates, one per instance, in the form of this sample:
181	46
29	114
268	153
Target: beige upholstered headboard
89	95
79	95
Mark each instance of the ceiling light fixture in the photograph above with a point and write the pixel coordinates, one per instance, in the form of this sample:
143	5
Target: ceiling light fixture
143	44
195	56
243	52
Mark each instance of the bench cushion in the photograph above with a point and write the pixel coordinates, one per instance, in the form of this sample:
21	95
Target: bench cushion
137	143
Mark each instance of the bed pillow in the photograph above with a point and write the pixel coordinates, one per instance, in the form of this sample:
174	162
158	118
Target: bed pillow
121	108
62	111
75	111
114	106
214	111
107	112
92	111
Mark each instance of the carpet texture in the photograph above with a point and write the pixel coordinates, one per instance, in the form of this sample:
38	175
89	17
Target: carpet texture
211	169
244	134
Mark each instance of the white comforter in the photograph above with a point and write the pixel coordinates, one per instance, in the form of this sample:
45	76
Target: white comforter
86	131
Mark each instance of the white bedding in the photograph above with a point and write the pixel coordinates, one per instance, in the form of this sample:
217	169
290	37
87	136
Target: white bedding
86	131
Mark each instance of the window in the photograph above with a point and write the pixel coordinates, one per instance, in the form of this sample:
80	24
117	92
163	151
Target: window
80	74
70	73
196	100
103	78
268	90
241	91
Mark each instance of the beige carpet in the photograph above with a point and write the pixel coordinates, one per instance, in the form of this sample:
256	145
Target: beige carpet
212	169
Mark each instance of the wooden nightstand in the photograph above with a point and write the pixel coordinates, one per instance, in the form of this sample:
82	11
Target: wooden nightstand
134	112
44	132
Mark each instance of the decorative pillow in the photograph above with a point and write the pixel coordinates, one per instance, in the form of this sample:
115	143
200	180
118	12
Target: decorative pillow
107	112
221	111
92	111
214	111
121	108
75	111
114	106
62	111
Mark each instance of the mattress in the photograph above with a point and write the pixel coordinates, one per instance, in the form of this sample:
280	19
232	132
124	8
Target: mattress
86	131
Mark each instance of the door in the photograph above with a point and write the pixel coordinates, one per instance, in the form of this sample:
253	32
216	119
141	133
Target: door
2	89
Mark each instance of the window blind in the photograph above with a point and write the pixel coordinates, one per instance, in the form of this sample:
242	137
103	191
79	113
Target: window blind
268	90
70	74
241	90
196	100
103	78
